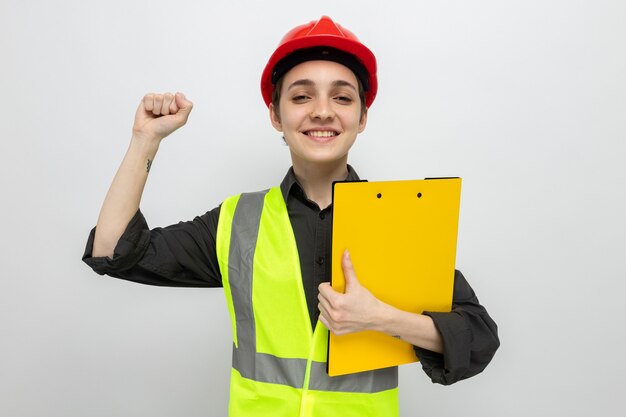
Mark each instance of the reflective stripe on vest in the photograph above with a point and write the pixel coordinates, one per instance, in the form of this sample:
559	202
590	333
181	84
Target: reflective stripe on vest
246	221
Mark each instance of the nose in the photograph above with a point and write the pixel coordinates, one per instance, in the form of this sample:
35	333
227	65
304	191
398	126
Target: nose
322	110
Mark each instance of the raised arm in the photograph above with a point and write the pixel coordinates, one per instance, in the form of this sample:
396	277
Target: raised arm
157	116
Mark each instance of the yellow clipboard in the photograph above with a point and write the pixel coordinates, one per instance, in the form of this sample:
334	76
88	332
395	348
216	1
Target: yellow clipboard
402	238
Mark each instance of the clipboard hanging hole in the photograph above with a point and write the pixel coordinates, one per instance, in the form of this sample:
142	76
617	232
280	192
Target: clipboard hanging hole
419	195
379	195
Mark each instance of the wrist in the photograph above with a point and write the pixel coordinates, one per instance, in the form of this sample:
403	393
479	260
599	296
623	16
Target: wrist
144	145
383	318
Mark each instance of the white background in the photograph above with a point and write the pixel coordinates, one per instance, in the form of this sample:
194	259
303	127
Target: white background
523	99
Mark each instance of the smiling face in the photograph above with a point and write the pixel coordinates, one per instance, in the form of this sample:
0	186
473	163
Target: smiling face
319	113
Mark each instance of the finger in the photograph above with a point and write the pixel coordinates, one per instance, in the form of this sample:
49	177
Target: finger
326	318
323	311
158	102
167	100
173	106
328	293
148	102
324	307
325	323
325	289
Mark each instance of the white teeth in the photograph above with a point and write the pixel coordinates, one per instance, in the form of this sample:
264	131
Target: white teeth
321	133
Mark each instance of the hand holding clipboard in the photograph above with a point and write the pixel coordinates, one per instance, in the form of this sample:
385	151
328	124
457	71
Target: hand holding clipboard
402	239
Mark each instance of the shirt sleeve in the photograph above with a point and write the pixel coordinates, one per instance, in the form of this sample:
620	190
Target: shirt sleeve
181	255
470	338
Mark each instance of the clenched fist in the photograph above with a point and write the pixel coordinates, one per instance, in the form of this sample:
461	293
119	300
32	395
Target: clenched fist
158	115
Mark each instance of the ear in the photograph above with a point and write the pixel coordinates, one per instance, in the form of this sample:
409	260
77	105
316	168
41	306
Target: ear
275	118
363	121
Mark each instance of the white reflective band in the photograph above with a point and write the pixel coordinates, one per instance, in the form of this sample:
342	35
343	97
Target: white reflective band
268	368
370	381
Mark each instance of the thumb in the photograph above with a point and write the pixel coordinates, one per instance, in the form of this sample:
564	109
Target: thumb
348	271
184	105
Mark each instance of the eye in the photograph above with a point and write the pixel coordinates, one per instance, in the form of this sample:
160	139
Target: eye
344	99
300	98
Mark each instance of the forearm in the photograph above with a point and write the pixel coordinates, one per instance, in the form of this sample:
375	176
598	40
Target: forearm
124	195
416	329
463	340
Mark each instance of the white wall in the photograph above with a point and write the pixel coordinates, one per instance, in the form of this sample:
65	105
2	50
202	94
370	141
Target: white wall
523	99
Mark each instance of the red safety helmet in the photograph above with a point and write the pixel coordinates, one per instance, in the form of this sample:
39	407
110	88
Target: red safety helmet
322	33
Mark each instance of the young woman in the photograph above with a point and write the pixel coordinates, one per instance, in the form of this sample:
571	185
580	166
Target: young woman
270	249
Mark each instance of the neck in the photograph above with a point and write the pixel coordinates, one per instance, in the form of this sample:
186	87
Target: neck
317	180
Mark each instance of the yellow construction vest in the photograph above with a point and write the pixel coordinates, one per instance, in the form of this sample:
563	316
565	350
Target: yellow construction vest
279	363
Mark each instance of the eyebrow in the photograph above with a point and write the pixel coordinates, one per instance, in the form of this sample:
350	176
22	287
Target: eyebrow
309	83
304	82
343	83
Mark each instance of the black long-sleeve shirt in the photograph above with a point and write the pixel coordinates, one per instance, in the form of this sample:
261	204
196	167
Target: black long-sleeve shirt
184	255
